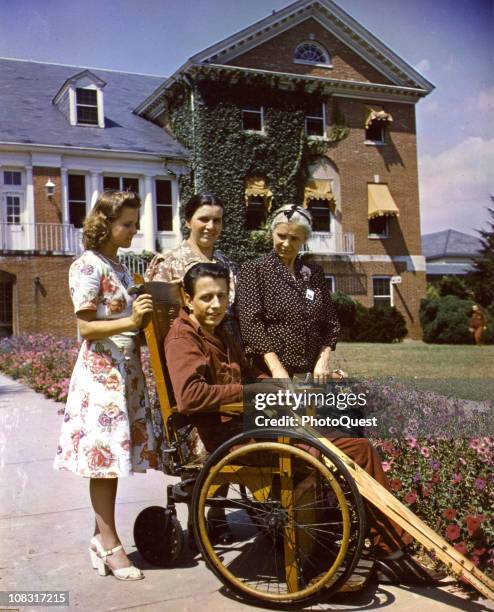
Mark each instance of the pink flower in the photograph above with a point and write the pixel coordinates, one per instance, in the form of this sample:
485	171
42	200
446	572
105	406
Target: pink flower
456	478
411	498
99	457
461	547
424	451
395	484
479	484
473	524
452	532
386	465
450	514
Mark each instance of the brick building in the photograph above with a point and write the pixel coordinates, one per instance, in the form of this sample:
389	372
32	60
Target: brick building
103	128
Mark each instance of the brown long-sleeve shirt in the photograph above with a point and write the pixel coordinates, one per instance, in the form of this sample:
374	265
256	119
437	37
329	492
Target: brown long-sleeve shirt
206	371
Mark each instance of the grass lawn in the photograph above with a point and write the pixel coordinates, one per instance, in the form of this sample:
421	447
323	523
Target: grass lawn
458	370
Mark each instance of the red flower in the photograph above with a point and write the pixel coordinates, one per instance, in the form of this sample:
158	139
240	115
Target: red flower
452	532
461	547
395	484
411	498
99	457
435	477
450	514
479	551
473	524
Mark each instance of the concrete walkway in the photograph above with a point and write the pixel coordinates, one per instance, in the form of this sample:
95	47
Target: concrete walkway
46	523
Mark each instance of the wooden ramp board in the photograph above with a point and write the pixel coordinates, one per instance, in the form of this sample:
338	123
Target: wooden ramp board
403	516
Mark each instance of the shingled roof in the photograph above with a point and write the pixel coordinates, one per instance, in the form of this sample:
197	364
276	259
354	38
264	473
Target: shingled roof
29	116
449	243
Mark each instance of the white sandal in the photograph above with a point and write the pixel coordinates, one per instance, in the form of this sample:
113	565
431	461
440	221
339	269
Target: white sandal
98	557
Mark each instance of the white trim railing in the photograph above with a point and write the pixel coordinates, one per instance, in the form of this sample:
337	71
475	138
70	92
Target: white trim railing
325	243
61	238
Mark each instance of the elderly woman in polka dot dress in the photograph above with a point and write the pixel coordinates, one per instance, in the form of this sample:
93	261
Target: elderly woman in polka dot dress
289	326
287	318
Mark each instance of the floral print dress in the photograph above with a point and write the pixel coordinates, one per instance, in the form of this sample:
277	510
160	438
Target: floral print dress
107	430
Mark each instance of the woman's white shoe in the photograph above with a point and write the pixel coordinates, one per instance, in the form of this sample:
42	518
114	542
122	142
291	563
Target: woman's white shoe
98	557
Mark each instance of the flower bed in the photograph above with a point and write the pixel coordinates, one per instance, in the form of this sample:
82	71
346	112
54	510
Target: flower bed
448	483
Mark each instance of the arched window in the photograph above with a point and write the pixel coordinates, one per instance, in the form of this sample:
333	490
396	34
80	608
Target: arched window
311	53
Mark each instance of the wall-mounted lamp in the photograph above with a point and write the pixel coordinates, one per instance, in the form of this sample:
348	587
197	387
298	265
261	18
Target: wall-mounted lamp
38	286
50	188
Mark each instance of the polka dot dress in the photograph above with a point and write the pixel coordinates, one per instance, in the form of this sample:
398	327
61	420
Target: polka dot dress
293	317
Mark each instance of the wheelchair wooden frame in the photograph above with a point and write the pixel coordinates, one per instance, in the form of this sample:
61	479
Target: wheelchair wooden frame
167	298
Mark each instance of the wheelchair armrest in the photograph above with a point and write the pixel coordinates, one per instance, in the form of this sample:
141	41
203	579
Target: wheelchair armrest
235	408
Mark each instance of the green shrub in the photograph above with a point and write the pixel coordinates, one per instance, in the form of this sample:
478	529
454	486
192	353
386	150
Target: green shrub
361	324
446	320
379	324
346	308
453	285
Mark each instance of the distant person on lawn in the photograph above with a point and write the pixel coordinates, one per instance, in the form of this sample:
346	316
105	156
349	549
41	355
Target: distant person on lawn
477	324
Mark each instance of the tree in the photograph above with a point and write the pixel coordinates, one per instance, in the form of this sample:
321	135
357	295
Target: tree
453	285
481	278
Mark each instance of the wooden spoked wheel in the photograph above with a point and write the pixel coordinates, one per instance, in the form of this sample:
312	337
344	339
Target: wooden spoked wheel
291	529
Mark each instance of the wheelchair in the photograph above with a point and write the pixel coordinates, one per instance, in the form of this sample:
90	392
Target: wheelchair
295	518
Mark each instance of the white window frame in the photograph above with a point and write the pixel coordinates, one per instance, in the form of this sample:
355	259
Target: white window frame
14	194
331	279
69	200
385	235
156	179
13	190
378	143
383	277
330	223
326	64
12	186
325	126
253	110
77	105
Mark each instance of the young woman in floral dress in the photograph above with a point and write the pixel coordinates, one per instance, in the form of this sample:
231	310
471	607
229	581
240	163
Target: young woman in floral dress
107	431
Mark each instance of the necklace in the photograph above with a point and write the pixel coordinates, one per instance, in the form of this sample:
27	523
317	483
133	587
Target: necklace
110	260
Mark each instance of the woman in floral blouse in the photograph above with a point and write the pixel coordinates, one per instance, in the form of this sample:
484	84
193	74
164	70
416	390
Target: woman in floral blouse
287	318
107	431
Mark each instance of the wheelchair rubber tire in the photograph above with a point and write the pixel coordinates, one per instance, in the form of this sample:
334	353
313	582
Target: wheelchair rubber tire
158	538
214	561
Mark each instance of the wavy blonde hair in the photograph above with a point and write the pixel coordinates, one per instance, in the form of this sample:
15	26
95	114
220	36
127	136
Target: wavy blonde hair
107	209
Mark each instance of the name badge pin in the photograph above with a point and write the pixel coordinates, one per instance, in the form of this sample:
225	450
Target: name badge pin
309	294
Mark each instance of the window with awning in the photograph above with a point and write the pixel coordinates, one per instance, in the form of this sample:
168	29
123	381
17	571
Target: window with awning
258	201
376	120
380	201
319	200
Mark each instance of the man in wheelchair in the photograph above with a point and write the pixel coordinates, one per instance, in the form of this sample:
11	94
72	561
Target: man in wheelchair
207	369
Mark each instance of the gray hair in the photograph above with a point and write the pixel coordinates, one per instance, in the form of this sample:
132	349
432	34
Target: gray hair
293	215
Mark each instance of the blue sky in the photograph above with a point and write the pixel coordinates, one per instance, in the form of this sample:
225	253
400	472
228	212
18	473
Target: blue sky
449	41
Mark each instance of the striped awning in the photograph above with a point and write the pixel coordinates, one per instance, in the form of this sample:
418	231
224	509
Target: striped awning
376	113
256	187
318	189
381	201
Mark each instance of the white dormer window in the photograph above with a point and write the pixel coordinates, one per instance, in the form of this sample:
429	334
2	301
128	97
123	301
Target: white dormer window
80	99
86	106
311	53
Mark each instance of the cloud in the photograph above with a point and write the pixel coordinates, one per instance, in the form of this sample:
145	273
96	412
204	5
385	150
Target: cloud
455	186
423	66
